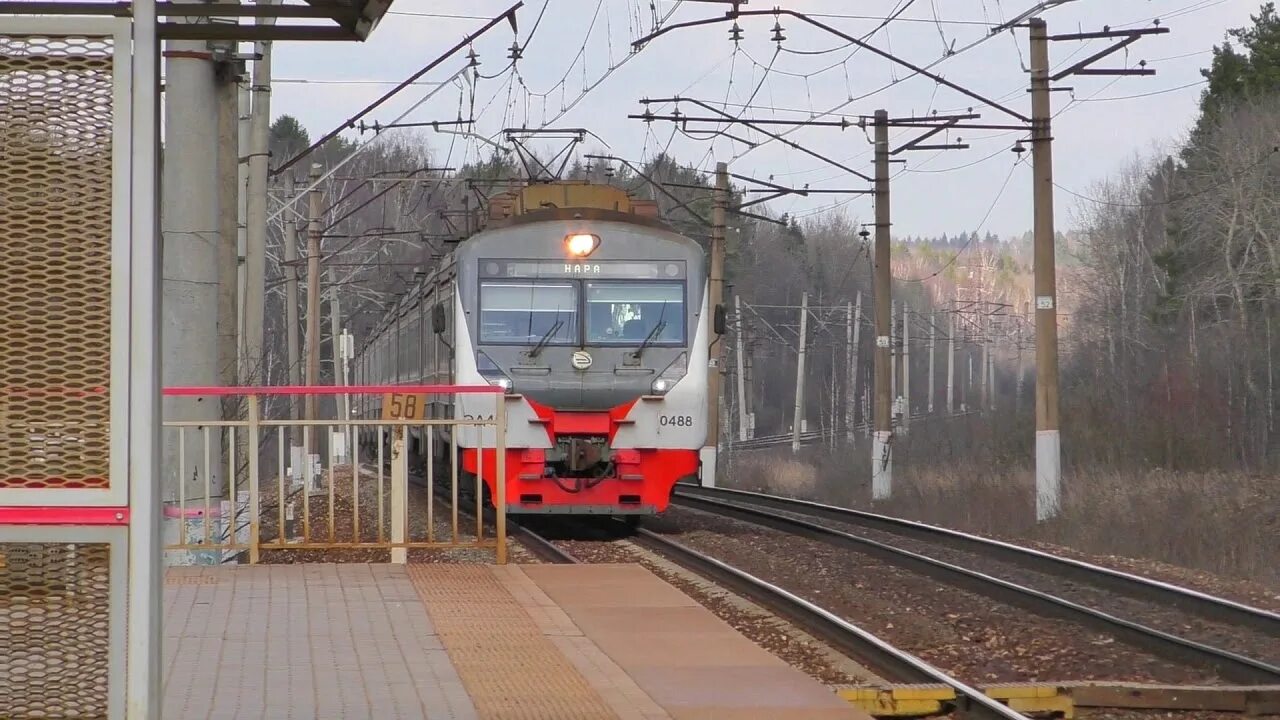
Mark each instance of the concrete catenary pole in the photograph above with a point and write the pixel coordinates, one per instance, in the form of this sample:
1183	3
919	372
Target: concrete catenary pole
797	418
243	102
882	441
315	212
985	360
951	361
1048	440
906	368
715	291
291	299
1022	369
933	341
991	375
255	260
893	358
189	217
227	159
854	365
739	356
847	413
335	346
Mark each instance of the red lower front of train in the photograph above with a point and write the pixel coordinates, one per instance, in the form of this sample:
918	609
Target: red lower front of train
633	481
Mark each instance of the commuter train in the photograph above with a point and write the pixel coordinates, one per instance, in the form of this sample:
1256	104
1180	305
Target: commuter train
592	315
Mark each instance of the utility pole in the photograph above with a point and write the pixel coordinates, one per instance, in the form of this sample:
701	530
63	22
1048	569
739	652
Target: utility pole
798	416
335	348
347	350
1048	439
291	296
189	217
256	216
893	356
854	321
715	288
742	375
951	362
314	230
991	374
906	368
986	359
227	159
933	339
242	213
882	442
1022	370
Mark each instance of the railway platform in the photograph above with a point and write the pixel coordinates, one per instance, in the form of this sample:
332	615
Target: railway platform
381	641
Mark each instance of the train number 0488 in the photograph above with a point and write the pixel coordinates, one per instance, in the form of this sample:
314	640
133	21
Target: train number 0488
676	421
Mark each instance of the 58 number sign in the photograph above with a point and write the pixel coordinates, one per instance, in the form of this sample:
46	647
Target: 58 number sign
399	406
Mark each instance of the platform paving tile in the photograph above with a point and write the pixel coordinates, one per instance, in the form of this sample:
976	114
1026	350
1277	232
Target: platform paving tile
510	665
304	641
687	660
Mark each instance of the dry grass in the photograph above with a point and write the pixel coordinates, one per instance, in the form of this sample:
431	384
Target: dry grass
1223	523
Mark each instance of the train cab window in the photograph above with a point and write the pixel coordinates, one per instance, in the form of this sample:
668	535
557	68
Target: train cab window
527	311
629	312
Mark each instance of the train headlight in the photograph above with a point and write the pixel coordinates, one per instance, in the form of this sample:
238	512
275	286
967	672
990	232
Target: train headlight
668	378
581	244
502	382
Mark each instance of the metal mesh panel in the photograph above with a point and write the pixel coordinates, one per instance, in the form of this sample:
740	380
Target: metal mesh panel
54	640
55	261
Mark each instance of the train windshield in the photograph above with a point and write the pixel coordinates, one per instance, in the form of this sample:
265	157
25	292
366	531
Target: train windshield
630	312
528	311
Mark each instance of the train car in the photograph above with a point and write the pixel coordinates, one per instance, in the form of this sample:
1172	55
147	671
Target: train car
592	315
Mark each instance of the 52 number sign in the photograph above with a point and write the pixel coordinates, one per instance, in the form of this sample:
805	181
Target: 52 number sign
399	406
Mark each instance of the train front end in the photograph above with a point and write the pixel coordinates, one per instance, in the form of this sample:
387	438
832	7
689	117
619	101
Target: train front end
595	322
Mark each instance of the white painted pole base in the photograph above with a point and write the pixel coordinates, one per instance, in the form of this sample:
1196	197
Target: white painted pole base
1048	474
708	456
399	495
881	465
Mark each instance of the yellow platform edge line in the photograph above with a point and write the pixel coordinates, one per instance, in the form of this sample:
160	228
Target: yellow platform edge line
1061	699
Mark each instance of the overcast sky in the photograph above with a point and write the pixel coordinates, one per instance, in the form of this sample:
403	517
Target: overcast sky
1104	121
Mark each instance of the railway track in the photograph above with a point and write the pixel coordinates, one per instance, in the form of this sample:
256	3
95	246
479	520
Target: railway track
780	514
883	658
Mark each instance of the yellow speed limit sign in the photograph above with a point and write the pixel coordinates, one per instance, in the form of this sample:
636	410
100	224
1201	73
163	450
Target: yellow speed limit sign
401	406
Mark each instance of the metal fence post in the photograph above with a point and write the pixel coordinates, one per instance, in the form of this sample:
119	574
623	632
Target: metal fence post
399	493
500	494
255	519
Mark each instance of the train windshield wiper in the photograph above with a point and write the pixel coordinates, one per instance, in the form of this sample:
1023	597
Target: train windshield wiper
555	328
655	332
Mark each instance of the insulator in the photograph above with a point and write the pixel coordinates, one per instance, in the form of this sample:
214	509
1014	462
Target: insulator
777	33
473	60
735	32
515	53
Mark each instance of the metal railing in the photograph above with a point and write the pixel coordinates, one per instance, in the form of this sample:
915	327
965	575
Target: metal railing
330	484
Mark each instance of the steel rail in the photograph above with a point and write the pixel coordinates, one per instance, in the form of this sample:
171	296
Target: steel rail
540	546
1228	664
884	658
1206	606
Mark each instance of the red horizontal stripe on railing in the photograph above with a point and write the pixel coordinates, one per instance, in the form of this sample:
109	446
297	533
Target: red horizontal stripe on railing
334	390
64	515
